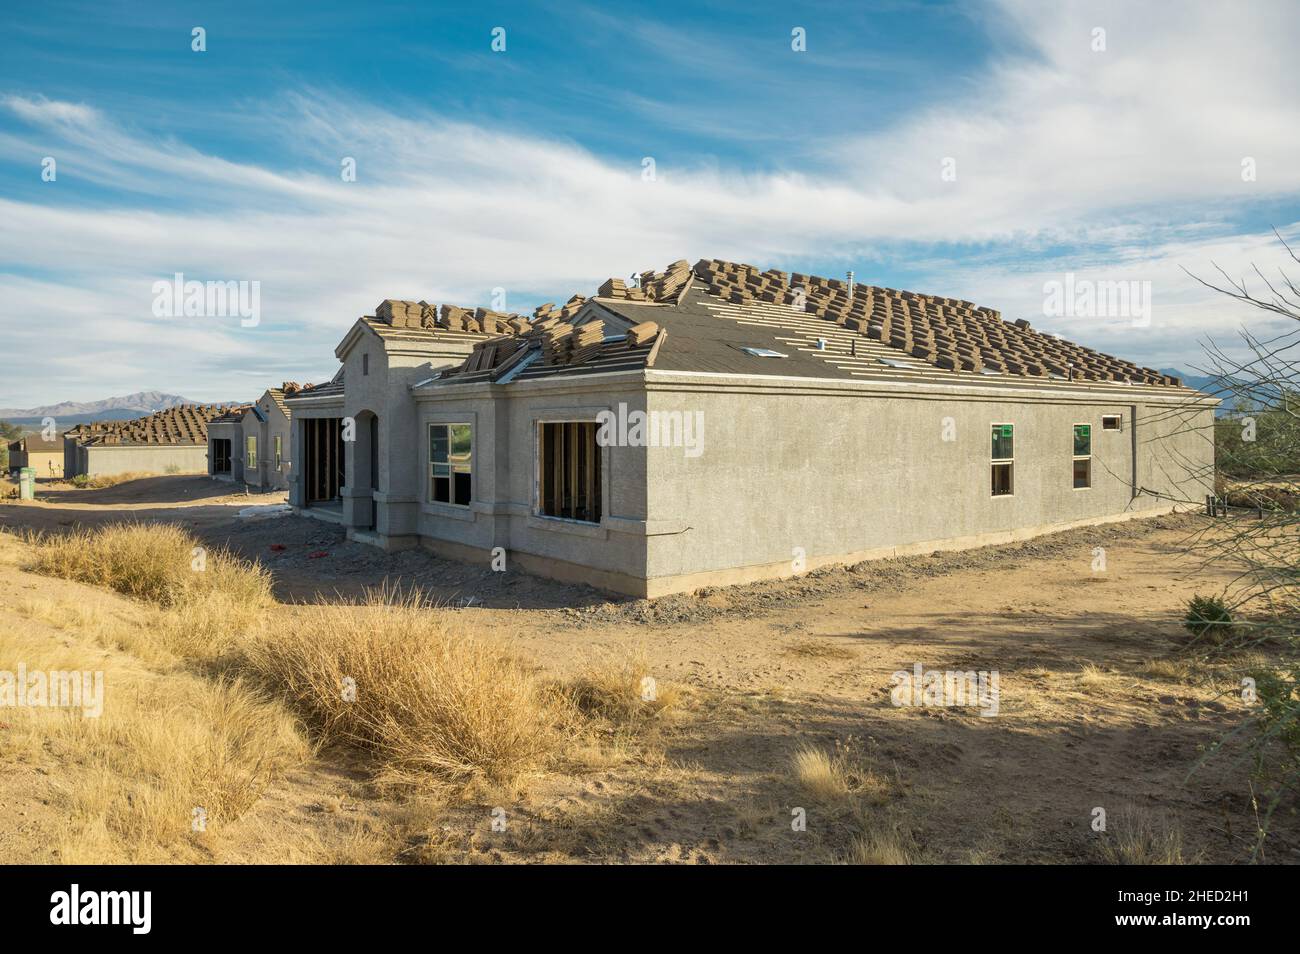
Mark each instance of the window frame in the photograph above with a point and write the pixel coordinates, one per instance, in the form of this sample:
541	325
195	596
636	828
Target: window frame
1008	462
1075	458
250	450
597	490
1117	418
279	451
450	476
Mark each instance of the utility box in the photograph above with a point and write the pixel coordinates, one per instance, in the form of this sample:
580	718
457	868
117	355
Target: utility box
27	483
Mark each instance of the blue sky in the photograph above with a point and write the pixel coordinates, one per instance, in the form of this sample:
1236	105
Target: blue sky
523	170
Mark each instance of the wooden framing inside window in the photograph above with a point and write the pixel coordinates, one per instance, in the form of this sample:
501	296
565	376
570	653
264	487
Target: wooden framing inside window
1082	459
1112	422
451	448
250	451
1003	459
568	470
279	448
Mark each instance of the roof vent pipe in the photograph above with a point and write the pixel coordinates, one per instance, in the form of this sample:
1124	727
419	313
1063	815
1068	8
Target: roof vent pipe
850	284
821	344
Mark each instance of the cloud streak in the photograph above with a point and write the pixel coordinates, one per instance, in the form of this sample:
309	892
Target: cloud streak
1118	164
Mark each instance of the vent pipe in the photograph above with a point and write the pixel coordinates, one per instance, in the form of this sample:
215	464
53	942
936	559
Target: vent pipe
850	284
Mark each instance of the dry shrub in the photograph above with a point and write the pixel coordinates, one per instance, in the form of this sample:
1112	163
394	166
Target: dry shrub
1137	837
430	702
845	775
151	562
882	846
819	774
104	481
126	783
621	692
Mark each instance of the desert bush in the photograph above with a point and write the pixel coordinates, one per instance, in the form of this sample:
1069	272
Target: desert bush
844	775
158	563
1278	692
1208	619
395	678
1141	838
620	691
882	846
104	481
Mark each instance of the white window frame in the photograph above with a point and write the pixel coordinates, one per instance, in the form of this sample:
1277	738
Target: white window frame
1011	461
1117	418
279	452
451	474
250	450
1075	458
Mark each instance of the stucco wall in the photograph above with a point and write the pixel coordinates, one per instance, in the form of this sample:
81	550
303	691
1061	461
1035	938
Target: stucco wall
109	459
503	508
838	475
47	464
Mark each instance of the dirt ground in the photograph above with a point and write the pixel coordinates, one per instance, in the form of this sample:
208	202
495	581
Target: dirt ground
1096	708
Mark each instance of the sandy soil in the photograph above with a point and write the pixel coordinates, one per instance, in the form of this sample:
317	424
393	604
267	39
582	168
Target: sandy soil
1084	720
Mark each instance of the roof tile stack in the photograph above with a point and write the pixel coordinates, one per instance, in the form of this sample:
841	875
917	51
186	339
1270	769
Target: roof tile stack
186	424
662	287
946	332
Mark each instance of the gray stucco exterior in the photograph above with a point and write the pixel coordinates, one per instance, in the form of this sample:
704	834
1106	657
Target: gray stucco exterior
266	422
789	474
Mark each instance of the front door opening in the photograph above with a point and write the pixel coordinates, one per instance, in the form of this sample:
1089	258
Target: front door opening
323	455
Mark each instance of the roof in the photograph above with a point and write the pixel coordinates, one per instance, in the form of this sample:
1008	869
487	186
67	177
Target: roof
35	444
292	390
705	317
184	424
232	416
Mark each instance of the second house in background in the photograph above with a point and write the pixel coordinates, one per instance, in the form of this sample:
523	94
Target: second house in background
250	443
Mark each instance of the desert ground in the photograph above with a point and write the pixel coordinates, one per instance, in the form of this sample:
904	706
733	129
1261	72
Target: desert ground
775	708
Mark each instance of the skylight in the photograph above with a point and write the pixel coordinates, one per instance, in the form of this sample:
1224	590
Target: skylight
892	363
764	353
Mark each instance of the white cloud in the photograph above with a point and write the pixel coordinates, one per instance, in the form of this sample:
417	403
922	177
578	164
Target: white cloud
1056	145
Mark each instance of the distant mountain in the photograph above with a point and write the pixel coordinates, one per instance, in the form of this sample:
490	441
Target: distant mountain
123	408
1199	381
1210	385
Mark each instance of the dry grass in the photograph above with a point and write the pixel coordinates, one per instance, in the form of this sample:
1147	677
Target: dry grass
212	599
845	775
882	846
157	563
820	774
438	709
393	677
125	784
621	692
1093	679
1136	837
104	481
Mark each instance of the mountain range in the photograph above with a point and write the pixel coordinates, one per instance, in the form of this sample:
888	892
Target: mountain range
68	413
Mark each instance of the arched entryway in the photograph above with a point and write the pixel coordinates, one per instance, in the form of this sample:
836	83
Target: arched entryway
365	470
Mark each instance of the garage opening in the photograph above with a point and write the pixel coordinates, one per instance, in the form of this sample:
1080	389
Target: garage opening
323	460
568	461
